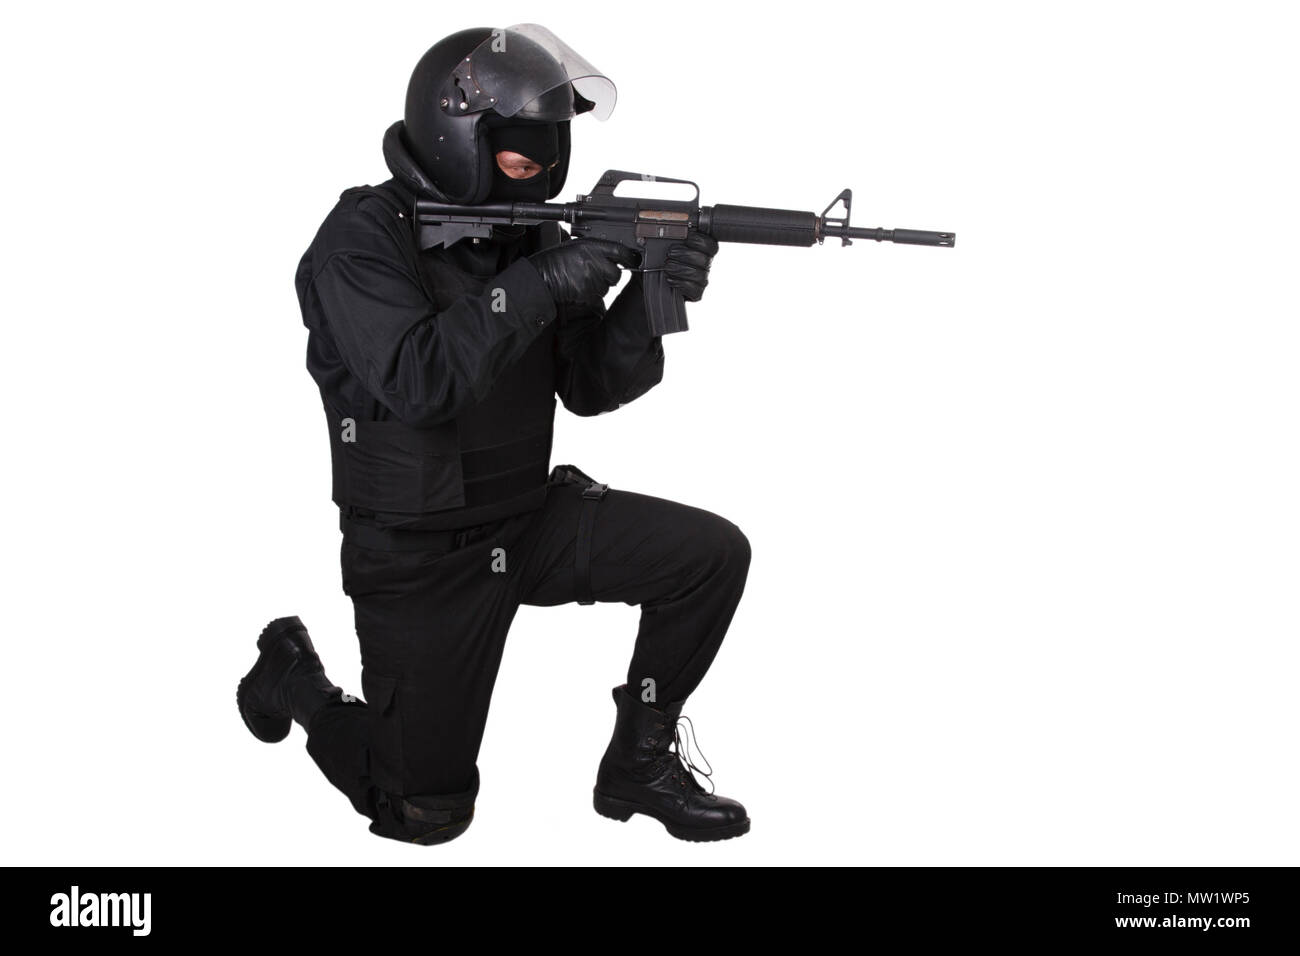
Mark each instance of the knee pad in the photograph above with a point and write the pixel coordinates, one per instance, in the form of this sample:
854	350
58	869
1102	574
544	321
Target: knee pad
425	818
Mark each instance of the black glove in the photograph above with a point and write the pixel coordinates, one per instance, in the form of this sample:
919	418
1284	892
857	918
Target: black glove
687	269
581	270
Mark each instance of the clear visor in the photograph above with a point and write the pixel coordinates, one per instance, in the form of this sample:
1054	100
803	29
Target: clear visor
512	70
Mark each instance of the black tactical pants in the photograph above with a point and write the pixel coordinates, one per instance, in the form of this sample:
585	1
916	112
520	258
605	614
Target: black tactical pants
433	625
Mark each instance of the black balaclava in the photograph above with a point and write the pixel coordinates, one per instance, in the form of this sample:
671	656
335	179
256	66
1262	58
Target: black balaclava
537	140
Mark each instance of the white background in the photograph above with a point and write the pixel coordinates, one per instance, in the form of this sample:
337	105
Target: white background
1023	512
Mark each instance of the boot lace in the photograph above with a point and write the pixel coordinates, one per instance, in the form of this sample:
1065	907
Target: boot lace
679	758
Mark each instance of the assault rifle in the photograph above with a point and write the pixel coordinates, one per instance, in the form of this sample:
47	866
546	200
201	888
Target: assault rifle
650	226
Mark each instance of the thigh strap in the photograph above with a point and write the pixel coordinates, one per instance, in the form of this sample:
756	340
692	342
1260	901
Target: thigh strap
591	496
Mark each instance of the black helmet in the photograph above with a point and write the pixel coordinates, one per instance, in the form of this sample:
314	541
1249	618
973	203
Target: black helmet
524	71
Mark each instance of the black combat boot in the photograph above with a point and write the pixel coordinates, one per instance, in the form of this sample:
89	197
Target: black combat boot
639	774
287	683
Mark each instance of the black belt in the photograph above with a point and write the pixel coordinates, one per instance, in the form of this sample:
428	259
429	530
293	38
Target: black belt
378	539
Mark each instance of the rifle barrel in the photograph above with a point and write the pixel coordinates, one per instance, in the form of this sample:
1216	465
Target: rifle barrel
911	237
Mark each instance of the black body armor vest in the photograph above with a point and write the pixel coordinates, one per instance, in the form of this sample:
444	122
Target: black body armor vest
490	462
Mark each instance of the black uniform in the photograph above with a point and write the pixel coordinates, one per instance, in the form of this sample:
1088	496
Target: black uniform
439	371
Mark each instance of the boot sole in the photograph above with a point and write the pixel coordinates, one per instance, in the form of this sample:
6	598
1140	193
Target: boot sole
622	811
270	730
